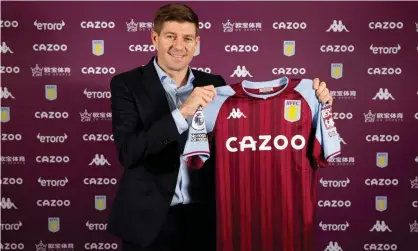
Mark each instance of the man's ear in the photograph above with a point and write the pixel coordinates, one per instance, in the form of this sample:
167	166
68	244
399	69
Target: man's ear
154	38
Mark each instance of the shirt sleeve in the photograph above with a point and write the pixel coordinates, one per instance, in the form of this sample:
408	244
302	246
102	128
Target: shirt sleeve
327	143
181	123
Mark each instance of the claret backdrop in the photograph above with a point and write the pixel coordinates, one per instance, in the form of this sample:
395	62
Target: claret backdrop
59	167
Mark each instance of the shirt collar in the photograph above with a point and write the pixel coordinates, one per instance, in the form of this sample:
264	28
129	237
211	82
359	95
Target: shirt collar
162	75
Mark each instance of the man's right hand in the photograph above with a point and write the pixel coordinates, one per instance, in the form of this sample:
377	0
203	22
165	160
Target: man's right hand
201	96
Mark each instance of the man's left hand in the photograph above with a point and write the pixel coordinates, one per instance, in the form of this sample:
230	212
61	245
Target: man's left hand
322	92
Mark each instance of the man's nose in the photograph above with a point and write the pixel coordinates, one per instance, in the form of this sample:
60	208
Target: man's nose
178	44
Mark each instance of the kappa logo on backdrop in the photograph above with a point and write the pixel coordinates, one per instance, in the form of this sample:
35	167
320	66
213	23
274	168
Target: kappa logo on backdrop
380	226
333	246
99	160
7	203
237	26
5	49
241	72
383	94
5	93
337	26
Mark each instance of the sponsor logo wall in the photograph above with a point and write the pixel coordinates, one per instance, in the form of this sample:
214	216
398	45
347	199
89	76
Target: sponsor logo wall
59	166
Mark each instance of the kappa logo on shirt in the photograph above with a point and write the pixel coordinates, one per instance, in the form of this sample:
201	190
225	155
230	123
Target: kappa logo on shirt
236	114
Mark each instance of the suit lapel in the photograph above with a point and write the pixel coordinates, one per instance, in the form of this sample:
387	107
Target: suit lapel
154	89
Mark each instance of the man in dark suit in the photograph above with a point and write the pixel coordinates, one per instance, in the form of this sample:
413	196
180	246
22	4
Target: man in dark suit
161	204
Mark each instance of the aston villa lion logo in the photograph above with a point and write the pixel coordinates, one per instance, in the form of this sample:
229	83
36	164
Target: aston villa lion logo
53	224
292	110
289	48
5	114
98	47
100	202
382	160
51	92
337	71
381	203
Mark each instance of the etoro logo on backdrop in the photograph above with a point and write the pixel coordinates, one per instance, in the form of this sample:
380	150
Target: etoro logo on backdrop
13	160
346	95
95	116
334	227
385	50
53	183
97	94
52	139
11	226
337	26
5	93
39	71
241	26
334	183
5	48
54	246
49	26
371	117
385	25
96	226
